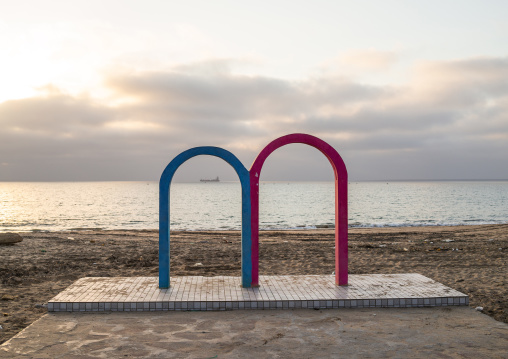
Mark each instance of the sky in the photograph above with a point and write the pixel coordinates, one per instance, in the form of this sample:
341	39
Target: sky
115	89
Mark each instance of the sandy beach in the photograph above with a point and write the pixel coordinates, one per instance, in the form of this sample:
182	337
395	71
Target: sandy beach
470	259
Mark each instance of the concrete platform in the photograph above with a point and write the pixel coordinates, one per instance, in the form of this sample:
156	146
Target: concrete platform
195	293
438	332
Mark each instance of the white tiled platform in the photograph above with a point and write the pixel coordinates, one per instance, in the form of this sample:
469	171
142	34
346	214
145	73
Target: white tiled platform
275	292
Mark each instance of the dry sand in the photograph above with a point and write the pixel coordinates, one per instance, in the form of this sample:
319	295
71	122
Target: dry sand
471	259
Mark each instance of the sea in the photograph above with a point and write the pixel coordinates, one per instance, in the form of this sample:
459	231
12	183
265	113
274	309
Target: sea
55	206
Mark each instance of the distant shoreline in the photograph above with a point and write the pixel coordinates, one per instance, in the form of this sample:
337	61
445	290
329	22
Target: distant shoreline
356	229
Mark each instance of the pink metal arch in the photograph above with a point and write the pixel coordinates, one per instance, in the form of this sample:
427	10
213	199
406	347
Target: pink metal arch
341	219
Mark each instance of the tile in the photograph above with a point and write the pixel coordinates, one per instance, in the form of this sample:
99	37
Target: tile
275	292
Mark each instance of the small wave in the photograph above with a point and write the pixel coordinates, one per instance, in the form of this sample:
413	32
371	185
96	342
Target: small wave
287	228
320	226
429	223
424	224
86	229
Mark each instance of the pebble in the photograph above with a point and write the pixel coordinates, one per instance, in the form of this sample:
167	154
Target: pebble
479	309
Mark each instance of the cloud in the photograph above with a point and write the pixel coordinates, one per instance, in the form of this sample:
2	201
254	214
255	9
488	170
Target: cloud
358	63
449	121
462	83
368	60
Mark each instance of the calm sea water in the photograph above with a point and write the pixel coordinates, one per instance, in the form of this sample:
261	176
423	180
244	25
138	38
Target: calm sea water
27	206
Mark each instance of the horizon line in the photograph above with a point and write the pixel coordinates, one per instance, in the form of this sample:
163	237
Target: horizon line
233	181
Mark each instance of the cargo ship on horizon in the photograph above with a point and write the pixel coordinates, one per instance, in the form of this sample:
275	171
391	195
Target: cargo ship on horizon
210	180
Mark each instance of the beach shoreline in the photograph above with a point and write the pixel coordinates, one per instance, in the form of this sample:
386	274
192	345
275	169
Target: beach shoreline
471	259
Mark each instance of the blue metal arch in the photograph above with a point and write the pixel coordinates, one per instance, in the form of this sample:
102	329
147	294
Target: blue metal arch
164	222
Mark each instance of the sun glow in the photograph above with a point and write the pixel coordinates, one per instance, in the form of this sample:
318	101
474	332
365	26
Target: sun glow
33	58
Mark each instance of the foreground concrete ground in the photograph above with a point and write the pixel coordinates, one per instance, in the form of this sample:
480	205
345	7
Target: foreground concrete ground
449	332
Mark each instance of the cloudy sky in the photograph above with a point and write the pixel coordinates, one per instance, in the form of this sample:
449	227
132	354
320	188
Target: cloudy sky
114	89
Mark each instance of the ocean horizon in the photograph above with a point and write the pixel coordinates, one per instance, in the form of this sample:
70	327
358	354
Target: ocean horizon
284	205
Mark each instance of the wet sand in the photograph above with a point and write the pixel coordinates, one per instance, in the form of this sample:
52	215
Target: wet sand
470	259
